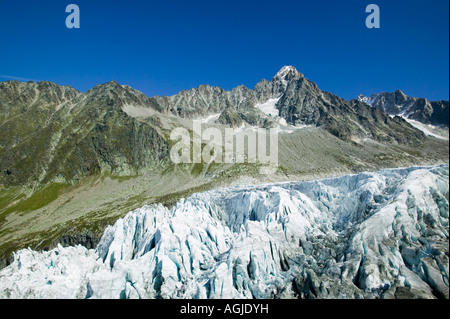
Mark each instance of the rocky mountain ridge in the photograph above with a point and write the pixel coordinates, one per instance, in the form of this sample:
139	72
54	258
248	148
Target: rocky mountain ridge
419	109
42	123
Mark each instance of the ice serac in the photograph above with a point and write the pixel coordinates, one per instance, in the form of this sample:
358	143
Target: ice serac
370	235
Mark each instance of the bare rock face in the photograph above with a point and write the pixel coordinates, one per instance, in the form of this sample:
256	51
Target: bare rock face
231	118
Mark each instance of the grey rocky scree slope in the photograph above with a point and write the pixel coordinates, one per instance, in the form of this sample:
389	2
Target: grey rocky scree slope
419	109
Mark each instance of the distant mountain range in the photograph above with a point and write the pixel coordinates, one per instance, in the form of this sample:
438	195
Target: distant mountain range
55	132
419	109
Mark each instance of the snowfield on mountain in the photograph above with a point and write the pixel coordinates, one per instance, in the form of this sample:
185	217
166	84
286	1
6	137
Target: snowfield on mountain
369	235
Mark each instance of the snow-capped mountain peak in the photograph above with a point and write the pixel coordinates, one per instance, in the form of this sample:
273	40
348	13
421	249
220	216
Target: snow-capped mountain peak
286	74
286	70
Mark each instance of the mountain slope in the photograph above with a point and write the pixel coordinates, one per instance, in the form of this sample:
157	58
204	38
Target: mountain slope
67	140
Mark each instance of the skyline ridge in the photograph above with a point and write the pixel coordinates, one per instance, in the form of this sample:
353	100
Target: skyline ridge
281	72
164	48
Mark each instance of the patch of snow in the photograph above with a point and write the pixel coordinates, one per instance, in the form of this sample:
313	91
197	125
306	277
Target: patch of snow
366	99
284	72
138	111
269	107
429	130
211	119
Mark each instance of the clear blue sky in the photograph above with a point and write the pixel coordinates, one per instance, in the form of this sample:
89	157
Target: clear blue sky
162	47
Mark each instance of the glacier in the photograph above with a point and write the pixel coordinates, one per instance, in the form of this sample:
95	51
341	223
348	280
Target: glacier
370	235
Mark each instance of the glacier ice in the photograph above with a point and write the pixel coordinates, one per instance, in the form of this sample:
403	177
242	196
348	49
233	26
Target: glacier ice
370	235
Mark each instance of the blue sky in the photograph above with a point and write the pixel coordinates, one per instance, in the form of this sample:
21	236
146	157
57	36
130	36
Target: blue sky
163	47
